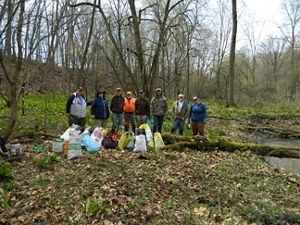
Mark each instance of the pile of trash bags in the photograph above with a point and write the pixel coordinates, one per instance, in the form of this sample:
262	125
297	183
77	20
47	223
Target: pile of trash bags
95	139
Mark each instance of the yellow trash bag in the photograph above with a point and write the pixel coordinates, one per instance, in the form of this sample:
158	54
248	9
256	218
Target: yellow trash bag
149	136
158	141
124	140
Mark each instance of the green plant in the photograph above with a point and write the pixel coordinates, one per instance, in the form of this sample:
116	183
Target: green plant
5	172
4	200
94	207
46	161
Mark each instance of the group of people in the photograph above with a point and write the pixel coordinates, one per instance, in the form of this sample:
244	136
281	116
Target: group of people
129	111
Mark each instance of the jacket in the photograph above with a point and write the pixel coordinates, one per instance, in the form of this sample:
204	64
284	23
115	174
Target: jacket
76	106
142	107
183	112
100	108
159	106
117	104
198	113
129	105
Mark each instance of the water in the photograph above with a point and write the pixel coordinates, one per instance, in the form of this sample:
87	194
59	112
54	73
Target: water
286	142
284	164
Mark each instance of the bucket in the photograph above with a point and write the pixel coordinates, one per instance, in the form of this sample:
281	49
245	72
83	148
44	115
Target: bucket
57	145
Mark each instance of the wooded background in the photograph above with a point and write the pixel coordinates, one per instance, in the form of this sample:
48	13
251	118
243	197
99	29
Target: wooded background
180	46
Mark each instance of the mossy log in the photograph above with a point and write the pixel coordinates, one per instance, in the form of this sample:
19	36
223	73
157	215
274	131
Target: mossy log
179	143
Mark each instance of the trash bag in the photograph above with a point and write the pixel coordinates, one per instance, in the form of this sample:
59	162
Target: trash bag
109	142
140	143
149	136
124	140
97	136
73	130
130	145
158	141
149	122
89	143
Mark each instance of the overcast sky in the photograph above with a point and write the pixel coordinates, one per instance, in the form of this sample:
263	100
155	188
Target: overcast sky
266	14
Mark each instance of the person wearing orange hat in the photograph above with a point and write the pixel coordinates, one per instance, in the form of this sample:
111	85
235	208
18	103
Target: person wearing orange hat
129	110
116	107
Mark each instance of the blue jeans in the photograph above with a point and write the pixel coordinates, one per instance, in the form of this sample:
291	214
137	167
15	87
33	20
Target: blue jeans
178	123
158	122
117	119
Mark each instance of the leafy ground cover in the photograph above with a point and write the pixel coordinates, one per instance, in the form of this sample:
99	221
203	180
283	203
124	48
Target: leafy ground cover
116	187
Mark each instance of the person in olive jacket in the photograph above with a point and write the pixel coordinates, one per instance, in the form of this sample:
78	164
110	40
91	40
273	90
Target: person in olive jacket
159	108
100	111
142	109
116	106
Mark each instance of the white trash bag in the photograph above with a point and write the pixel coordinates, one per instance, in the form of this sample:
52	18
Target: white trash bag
140	143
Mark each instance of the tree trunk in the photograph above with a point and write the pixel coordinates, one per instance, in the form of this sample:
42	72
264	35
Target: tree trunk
230	100
179	143
13	84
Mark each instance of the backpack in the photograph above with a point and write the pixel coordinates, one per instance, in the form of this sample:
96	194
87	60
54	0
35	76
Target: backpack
109	142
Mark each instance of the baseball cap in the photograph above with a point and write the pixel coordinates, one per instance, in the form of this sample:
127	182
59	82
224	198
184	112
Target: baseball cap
118	89
158	89
141	91
180	96
195	98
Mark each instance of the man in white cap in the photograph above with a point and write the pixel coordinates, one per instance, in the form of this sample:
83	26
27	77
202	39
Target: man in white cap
159	107
179	110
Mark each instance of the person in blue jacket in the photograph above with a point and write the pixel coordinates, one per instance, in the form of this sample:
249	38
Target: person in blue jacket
100	109
197	116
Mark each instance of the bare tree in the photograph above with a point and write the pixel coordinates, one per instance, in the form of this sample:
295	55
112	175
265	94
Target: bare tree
230	100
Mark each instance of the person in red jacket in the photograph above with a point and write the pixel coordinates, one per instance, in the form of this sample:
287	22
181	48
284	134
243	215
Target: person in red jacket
129	110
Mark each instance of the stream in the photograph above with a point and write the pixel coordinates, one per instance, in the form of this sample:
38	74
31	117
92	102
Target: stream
285	164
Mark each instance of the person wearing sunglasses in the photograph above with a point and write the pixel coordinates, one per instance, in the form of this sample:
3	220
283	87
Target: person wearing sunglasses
197	116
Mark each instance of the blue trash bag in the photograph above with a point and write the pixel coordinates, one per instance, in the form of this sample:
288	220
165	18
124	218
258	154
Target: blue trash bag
89	143
149	122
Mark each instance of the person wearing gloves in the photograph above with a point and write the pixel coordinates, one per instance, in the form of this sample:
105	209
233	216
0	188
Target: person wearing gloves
159	108
197	116
76	108
100	110
129	110
179	110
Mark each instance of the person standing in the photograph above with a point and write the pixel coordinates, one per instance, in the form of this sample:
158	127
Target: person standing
100	110
76	108
159	107
116	106
179	110
142	109
197	116
129	109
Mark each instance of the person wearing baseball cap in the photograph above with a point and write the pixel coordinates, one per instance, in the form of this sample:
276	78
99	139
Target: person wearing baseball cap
142	109
129	110
179	110
116	107
159	108
198	116
76	108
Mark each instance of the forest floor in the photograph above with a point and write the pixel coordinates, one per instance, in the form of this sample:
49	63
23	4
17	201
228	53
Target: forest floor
158	187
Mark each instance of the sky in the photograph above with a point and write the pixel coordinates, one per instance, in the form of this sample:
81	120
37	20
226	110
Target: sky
267	15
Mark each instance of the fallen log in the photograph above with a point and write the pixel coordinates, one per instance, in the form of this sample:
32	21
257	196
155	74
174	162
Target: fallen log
284	133
179	143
